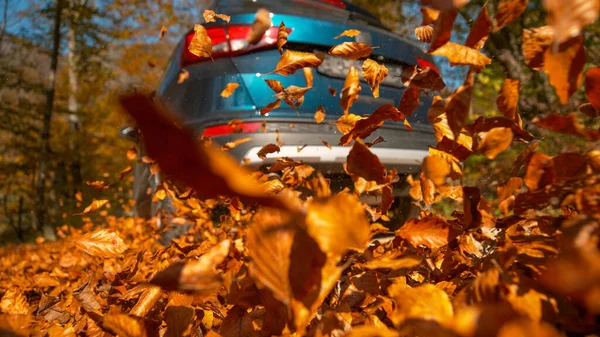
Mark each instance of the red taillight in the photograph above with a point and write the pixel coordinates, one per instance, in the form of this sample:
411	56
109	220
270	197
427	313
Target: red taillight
221	130
424	64
336	3
317	3
229	41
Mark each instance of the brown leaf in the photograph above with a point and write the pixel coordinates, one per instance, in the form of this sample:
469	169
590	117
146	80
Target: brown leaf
275	85
124	172
424	33
94	206
460	55
201	44
183	75
99	186
101	243
326	143
163	30
363	128
270	107
320	114
509	188
374	73
436	169
430	15
442	29
459	105
131	154
526	327
508	11
291	61
565	67
195	275
567	18
349	33
351	50
567	124
387	198
262	23
592	87
361	162
508	100
351	90
495	142
480	29
422	302
210	15
540	171
239	323
430	231
235	143
124	325
147	300
229	89
424	78
332	91
207	170
282	37
535	43
346	123
308	76
269	148
410	100
86	298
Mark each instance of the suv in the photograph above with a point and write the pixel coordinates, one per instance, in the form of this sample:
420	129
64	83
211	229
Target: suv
313	26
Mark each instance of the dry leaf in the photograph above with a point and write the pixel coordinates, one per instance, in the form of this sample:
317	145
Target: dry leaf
351	50
232	145
124	172
365	127
270	107
481	28
436	169
535	43
275	85
592	87
308	76
461	55
262	23
291	61
349	33
424	33
508	100
325	143
201	44
282	37
99	186
495	142
361	162
131	154
442	29
459	106
332	91
409	102
431	231
567	124
13	302
508	11
567	18
183	75
94	206
565	67
101	243
425	302
265	150
351	90
229	89
210	15
374	73
124	325
320	114
424	78
163	30
347	122
430	15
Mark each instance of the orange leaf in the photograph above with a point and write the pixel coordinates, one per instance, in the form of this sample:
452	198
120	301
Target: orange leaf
101	243
459	105
568	17
361	162
210	15
332	91
351	50
99	186
442	29
124	325
320	114
275	85
508	100
409	101
430	15
349	33
481	28
124	172
430	231
347	122
201	44
308	77
232	145
325	143
509	188
436	169
374	73
424	33
363	128
132	153
567	124
14	302
460	55
282	37
535	43
94	206
183	75
495	142
229	89
270	107
387	198
424	78
269	148
262	22
565	67
540	171
592	87
351	90
163	30
508	11
291	61
423	302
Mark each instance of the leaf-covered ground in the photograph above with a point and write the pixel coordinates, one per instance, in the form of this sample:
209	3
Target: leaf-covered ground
287	257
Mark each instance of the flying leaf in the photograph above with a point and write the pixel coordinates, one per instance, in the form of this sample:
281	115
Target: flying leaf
495	142
195	275
535	43
430	231
94	206
275	85
207	170
565	67
424	33
461	55
567	124
101	243
347	122
124	325
567	18
183	75
442	29
349	33
374	73
409	102
430	15
210	15
361	162
326	143
291	61
99	186
351	50
292	95
201	44
481	28
425	302
459	105
124	172
332	91
149	297
365	127
232	145
229	89
262	22
436	169
265	150
282	37
308	77
131	154
540	171
320	114
351	90
592	87
508	11
393	263
163	30
424	78
270	107
508	100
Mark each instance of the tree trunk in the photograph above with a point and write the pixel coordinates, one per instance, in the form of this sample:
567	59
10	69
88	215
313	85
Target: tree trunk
3	27
42	220
73	107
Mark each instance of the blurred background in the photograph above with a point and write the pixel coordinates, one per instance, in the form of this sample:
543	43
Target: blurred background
59	125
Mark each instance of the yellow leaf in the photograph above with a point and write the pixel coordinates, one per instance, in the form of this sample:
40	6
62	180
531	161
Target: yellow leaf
262	22
101	243
351	50
495	141
210	15
351	90
229	89
424	302
124	325
461	55
94	206
308	76
201	44
320	114
374	73
347	122
394	263
14	302
291	61
349	33
282	37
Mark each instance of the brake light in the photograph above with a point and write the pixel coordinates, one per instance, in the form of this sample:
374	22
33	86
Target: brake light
229	41
424	64
317	3
221	130
336	3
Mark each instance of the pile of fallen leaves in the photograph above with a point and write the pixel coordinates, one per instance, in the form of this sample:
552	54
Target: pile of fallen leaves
287	257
